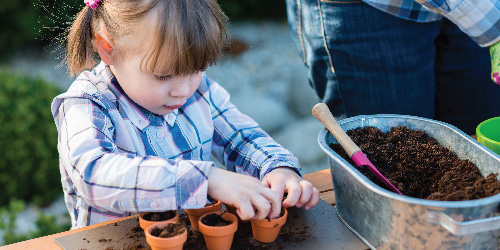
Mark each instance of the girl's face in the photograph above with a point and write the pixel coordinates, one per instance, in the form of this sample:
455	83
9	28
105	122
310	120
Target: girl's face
160	94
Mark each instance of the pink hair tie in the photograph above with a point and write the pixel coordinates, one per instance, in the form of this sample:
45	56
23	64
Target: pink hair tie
92	3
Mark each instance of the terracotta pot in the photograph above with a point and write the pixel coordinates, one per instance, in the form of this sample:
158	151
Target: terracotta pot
158	243
146	223
267	230
219	238
195	214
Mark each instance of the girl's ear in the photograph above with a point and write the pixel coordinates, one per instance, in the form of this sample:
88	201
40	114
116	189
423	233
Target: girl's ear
105	46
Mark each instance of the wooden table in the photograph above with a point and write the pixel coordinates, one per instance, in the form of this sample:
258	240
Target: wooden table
322	180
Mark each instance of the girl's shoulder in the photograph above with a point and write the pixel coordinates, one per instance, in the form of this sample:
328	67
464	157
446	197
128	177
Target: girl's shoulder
92	85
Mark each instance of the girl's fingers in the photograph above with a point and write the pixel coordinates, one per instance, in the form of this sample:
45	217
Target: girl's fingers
314	199
294	191
265	183
274	200
307	189
246	211
261	206
279	189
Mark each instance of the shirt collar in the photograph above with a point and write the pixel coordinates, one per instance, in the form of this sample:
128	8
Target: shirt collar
138	115
170	118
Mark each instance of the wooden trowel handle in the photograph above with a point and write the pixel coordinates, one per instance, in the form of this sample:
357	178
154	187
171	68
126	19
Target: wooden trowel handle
323	114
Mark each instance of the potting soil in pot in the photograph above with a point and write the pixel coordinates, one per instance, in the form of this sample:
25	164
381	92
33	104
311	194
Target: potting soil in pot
159	216
171	230
215	220
418	166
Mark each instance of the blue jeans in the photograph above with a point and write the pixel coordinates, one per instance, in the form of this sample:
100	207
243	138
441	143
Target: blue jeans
364	61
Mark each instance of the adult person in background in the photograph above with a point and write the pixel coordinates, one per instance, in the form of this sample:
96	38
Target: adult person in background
401	56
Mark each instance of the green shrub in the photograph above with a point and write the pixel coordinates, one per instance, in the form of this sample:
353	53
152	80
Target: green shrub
28	140
8	218
44	225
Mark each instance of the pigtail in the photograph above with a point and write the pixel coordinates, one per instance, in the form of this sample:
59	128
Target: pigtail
81	51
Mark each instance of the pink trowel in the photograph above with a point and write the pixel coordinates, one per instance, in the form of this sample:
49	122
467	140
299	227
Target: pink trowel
323	114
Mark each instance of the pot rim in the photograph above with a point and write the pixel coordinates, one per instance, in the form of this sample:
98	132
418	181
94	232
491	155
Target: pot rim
272	222
163	225
203	210
147	223
142	214
220	230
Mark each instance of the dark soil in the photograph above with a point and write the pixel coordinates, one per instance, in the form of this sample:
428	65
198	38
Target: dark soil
135	233
171	230
160	216
418	166
215	220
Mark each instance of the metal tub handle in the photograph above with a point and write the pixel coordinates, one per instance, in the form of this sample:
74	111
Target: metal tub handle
463	228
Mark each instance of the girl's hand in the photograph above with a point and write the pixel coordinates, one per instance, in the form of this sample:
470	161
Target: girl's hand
246	193
299	191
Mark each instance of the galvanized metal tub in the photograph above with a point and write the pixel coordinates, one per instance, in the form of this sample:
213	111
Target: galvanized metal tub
385	220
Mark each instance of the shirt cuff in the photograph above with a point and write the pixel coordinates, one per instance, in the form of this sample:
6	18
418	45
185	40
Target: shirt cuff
272	164
191	186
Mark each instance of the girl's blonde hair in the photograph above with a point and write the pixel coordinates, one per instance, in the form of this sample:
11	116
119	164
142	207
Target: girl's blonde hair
191	31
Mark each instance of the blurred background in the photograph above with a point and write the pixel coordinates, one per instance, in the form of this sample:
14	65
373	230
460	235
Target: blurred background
261	69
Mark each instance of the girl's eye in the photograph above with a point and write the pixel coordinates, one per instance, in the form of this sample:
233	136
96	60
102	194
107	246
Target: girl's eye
164	78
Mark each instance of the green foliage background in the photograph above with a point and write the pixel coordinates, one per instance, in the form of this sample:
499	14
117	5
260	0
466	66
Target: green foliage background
29	164
44	225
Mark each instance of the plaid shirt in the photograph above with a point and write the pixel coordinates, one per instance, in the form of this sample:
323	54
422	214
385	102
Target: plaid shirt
479	19
118	159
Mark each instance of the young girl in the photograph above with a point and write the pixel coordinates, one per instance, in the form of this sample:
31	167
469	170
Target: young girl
137	132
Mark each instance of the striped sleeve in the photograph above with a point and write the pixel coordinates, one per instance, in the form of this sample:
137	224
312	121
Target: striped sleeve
238	141
479	19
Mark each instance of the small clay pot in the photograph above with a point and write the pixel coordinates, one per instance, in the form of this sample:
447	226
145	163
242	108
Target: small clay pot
219	237
195	214
146	223
158	243
267	230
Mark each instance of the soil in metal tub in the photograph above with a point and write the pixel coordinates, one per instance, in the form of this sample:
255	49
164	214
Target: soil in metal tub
418	166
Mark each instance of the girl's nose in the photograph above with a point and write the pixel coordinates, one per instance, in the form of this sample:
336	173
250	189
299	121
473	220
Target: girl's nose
180	88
